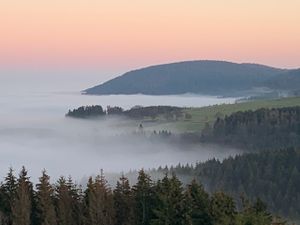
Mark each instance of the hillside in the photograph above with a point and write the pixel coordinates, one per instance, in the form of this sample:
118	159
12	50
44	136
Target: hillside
201	77
203	115
195	119
260	129
180	120
289	80
252	175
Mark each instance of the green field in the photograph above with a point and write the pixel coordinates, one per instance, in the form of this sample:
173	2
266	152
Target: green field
203	115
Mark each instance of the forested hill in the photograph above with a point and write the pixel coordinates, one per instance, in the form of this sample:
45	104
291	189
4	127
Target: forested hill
273	176
165	202
201	77
290	80
259	129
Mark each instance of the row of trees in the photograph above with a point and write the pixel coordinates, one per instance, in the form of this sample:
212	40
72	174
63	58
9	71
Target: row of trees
273	176
87	112
94	111
165	202
166	112
260	129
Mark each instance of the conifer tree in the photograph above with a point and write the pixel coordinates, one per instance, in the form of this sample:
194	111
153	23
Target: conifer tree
222	209
8	192
99	202
77	203
143	199
63	203
254	214
22	205
45	206
199	202
123	202
171	206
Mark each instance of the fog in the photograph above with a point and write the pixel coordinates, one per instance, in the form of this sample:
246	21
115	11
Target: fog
34	132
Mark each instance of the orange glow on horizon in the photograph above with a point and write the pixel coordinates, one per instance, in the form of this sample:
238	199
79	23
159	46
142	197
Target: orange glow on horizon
118	32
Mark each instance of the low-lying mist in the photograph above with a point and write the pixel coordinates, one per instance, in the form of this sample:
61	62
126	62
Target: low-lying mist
35	133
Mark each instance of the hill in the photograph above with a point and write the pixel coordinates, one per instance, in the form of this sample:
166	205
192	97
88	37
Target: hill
273	176
208	114
290	80
201	77
260	129
180	120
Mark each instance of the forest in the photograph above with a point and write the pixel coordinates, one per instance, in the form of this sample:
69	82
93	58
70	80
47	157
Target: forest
164	202
270	171
272	176
260	129
136	112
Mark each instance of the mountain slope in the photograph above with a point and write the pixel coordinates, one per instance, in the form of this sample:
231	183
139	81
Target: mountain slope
203	77
289	80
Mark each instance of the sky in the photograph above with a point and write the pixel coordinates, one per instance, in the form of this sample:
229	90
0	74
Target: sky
109	37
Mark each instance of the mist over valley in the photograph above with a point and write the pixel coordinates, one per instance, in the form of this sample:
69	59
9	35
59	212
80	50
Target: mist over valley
34	132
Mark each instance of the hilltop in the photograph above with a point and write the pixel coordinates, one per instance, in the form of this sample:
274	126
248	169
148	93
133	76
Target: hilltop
205	77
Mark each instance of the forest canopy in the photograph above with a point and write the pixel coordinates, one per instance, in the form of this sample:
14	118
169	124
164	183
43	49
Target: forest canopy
165	202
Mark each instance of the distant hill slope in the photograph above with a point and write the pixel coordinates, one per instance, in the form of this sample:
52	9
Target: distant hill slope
290	80
201	77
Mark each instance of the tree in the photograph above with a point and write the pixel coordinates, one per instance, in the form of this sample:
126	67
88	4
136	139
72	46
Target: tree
22	205
143	199
171	207
199	202
7	196
45	205
222	209
123	202
63	203
254	214
77	202
99	202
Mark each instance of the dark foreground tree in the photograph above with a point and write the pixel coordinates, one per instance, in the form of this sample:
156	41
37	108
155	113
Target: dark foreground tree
22	205
254	214
64	203
165	202
199	201
7	196
123	202
143	199
222	209
99	202
171	207
45	205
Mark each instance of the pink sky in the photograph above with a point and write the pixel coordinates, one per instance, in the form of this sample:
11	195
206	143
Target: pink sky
124	34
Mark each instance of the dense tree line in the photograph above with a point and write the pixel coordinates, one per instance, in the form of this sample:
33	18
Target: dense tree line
273	176
260	129
165	202
137	112
167	112
86	112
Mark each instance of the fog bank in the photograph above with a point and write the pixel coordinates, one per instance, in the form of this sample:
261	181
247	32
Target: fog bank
35	133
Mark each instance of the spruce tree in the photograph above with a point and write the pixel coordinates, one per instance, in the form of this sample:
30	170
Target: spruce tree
63	203
143	199
199	202
45	206
171	207
8	193
22	205
254	214
123	202
99	202
222	209
77	202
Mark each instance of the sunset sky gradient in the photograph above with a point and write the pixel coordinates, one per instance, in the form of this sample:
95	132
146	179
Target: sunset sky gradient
124	34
